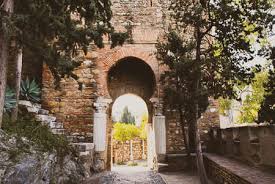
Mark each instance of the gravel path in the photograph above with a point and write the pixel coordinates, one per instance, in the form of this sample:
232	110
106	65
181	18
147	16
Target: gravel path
148	177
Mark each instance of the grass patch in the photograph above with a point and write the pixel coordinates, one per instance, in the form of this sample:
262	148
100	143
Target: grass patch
132	163
39	134
121	163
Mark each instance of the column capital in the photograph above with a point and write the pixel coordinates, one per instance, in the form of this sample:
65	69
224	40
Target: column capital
158	106
102	104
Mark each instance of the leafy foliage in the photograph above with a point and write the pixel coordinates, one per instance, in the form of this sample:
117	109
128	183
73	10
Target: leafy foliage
224	105
124	132
127	117
40	135
267	111
206	50
252	104
210	61
56	31
143	127
29	90
9	100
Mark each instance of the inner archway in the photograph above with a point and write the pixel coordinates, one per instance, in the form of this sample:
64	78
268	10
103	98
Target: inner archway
129	135
131	75
134	76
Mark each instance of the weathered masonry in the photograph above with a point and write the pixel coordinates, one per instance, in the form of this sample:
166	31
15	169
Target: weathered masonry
108	73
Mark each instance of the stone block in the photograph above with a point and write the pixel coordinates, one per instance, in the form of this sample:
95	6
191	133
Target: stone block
267	150
43	112
25	103
45	118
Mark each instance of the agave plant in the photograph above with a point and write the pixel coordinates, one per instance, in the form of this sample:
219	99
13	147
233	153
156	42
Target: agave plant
9	100
30	90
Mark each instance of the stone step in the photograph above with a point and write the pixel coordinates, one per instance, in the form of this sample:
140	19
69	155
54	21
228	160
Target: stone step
43	112
163	167
25	103
33	110
83	147
58	131
45	118
54	124
176	162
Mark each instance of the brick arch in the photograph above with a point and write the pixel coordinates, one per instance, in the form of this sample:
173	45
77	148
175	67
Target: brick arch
107	58
148	57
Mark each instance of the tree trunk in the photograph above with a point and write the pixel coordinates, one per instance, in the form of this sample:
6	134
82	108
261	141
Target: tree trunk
14	114
4	47
186	142
200	163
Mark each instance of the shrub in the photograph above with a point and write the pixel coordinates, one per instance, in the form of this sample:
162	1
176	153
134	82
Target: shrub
40	135
30	90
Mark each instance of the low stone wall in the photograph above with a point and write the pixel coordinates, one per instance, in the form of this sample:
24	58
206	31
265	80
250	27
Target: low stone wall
121	151
222	175
253	145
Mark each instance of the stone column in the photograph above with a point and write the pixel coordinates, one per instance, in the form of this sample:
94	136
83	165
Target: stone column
159	127
100	123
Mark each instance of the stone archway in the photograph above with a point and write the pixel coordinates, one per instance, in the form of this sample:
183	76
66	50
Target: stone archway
130	74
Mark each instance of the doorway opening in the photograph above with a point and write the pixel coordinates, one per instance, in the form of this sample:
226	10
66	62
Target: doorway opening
129	134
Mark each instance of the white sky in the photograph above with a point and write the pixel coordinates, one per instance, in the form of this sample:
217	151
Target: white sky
136	106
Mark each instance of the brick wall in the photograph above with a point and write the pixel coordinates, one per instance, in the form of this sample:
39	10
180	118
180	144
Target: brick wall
72	106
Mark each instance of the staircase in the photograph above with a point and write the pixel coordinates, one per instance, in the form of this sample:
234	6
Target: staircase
83	146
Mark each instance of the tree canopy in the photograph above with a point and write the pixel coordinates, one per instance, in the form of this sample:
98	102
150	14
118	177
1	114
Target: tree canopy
56	31
267	111
206	50
127	116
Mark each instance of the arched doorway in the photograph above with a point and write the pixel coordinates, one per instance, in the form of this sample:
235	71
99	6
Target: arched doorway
131	75
135	76
129	134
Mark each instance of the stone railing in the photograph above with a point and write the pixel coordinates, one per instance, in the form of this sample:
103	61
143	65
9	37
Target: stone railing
254	145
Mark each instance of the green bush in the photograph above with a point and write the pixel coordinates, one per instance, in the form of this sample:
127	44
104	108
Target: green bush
40	135
9	100
30	90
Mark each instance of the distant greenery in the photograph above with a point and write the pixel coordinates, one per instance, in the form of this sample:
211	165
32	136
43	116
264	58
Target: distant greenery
125	132
267	112
143	130
30	90
127	116
252	104
43	139
224	105
9	100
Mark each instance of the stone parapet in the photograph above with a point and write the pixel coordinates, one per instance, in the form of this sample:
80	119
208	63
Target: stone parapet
254	145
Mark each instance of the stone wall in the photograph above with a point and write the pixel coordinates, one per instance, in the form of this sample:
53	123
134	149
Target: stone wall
221	175
175	141
253	145
71	105
121	151
208	120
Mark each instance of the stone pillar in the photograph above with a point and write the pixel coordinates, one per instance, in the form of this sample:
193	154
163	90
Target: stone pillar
100	123
159	127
